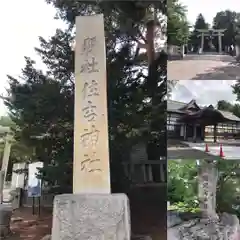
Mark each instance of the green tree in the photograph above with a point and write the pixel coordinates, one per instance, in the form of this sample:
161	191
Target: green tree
178	26
182	181
183	186
135	100
227	20
195	39
224	105
227	106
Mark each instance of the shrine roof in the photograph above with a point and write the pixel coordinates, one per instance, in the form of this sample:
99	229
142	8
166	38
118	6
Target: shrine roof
230	116
175	106
182	108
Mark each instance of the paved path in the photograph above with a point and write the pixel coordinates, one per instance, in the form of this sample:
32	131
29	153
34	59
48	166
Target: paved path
188	153
210	67
230	152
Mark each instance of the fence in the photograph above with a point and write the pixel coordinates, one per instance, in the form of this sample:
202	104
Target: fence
146	173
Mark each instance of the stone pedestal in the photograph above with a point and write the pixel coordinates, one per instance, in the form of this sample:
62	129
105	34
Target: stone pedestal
16	198
227	228
5	218
207	177
91	216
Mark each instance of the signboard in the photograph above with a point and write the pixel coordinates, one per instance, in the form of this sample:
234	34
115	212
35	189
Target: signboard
34	184
91	172
18	179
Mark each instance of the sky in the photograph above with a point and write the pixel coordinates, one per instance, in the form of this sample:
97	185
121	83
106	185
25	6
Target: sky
28	20
208	8
205	92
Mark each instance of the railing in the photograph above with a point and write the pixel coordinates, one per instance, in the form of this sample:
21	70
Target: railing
146	173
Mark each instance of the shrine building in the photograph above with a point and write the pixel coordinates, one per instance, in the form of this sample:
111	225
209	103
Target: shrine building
191	122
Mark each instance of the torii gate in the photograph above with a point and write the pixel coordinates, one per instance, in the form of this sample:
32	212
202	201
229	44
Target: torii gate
211	33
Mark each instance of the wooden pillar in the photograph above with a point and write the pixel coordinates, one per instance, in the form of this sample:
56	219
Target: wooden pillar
202	42
215	133
219	42
194	132
185	131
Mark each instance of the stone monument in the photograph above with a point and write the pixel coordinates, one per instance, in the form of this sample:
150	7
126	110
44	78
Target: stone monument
91	172
93	216
91	212
207	186
208	225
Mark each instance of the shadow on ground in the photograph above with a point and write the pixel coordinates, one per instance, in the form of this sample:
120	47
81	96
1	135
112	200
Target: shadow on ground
229	72
148	211
31	227
148	216
188	153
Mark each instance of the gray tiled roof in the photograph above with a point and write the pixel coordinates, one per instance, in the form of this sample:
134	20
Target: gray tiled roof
174	106
230	116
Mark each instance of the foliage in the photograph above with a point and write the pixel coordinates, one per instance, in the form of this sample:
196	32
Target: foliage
182	186
227	20
182	181
135	100
195	39
226	106
178	26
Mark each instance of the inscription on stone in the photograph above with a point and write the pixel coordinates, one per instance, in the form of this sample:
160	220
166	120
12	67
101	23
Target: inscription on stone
90	89
89	112
91	153
90	137
90	163
91	217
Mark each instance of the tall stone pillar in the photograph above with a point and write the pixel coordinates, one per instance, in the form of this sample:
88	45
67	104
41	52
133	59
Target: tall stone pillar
207	186
219	42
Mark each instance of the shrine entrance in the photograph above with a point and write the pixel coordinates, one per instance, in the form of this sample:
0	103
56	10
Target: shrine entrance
211	34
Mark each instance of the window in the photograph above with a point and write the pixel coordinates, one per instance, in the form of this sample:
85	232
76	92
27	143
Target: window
170	127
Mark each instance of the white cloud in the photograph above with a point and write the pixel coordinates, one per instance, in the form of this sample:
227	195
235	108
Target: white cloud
205	92
208	8
21	28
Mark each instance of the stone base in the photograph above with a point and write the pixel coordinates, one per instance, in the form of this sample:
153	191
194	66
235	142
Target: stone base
4	231
91	216
48	237
227	228
5	218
